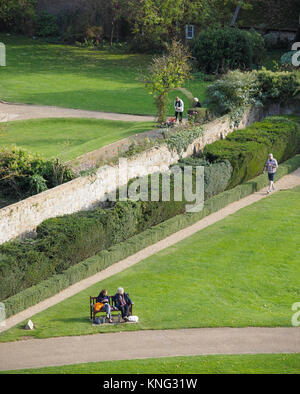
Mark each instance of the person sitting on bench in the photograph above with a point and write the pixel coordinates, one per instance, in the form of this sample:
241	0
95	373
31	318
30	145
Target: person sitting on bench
123	302
103	298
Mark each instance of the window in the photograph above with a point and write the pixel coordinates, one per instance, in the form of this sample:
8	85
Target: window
189	30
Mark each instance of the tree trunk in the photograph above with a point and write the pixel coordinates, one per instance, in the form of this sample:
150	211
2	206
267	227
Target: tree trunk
236	14
112	32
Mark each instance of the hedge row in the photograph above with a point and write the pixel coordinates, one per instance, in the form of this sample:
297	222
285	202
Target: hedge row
105	258
66	240
247	149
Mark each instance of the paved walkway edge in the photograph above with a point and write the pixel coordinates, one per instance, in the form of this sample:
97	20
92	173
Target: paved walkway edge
12	111
286	182
37	353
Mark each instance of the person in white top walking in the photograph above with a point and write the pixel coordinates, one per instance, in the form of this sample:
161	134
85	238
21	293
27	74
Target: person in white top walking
179	108
271	166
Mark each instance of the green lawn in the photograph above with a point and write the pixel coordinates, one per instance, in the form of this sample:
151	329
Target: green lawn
73	77
244	364
68	138
241	271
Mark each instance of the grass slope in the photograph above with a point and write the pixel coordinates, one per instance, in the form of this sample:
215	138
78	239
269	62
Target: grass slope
242	364
68	138
241	271
72	77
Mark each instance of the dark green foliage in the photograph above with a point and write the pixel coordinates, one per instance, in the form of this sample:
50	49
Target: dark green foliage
277	86
216	175
198	115
23	174
65	241
18	16
105	258
236	90
247	150
46	25
218	50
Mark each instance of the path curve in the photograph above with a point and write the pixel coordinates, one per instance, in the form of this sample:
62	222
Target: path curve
287	182
10	112
36	353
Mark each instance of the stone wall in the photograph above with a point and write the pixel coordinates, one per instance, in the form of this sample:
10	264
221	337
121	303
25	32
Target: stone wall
86	192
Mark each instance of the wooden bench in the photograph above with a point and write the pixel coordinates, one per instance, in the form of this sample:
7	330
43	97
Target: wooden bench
113	309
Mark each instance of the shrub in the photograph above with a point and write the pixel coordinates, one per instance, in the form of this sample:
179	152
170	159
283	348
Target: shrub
247	149
216	175
198	115
46	25
23	174
236	90
149	42
233	92
18	16
64	241
276	86
218	50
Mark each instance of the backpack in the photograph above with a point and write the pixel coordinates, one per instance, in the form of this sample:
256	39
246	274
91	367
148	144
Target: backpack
97	320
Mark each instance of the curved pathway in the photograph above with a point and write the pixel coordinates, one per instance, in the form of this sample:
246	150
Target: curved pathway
287	182
10	112
36	353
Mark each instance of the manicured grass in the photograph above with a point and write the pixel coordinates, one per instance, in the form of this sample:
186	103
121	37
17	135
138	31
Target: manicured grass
73	77
242	364
68	138
241	271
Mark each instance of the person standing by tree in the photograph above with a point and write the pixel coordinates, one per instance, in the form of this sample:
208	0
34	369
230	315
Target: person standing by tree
179	108
271	166
165	73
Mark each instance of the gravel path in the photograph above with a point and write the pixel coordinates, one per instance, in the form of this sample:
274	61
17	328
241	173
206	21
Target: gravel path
37	353
27	111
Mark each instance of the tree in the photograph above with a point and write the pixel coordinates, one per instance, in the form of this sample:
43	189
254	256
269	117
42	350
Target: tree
165	73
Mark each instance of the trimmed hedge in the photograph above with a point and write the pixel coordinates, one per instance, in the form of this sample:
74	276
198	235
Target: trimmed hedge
105	258
218	50
247	149
65	241
216	175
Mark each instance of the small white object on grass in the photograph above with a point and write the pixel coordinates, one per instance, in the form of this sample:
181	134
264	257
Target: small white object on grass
29	325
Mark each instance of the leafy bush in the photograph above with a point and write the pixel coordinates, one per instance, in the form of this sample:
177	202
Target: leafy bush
236	90
276	86
216	175
248	149
198	115
46	25
18	16
149	42
233	92
218	50
181	139
64	241
23	174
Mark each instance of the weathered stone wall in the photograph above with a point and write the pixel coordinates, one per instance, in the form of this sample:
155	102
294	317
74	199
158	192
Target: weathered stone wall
86	192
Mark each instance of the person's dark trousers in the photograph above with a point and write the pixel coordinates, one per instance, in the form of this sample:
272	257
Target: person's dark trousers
124	310
180	116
